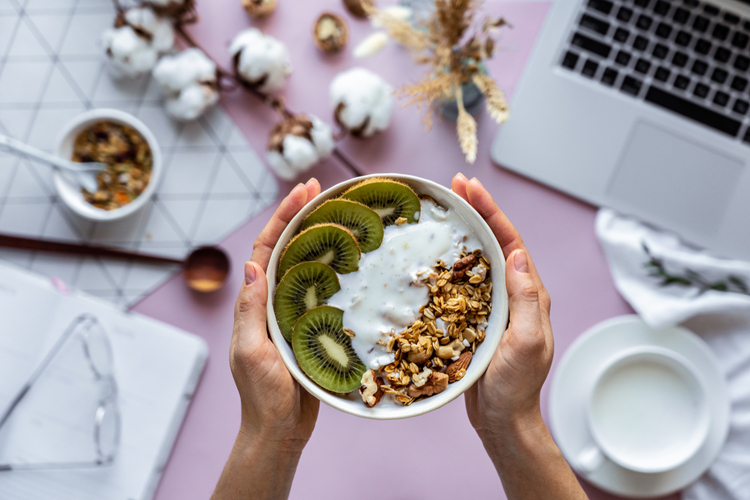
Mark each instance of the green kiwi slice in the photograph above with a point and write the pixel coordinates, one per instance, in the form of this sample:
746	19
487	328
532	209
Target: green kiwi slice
324	352
363	222
303	287
328	244
390	199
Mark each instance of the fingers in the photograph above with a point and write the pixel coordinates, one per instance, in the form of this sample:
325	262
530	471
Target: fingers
313	188
288	208
482	201
458	185
523	296
250	307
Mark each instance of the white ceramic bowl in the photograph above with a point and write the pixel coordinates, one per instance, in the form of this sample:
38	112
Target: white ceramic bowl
498	319
68	188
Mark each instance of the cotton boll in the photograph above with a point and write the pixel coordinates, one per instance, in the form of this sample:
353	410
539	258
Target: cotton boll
322	137
174	73
189	81
300	152
192	101
161	29
130	54
135	44
260	60
279	165
362	101
297	144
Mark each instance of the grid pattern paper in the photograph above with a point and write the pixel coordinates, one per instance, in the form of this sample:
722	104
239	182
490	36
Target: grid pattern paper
52	68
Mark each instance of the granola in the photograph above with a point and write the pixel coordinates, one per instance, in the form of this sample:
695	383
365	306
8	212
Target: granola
128	158
437	348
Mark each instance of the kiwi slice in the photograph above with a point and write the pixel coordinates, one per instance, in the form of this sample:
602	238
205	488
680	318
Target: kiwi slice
304	286
390	199
324	352
362	221
329	244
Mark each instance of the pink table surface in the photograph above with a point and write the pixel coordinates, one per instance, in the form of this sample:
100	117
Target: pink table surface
437	455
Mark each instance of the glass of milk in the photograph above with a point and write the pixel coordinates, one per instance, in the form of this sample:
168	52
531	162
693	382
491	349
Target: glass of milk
647	412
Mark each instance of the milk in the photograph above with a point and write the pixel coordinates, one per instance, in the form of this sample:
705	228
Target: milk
385	294
647	411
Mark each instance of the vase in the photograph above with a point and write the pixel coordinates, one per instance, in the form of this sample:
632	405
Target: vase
472	99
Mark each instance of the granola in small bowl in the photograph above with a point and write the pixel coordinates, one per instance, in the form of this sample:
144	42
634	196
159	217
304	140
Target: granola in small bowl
127	156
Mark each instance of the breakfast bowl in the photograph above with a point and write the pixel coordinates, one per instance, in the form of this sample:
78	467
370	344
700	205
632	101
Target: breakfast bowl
146	145
487	276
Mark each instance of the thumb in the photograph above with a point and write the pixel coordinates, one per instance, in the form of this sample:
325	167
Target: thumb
250	308
523	295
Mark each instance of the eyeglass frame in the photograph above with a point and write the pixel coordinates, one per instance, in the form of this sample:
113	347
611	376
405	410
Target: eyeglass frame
111	396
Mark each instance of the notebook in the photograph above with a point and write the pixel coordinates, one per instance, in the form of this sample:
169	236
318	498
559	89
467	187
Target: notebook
156	368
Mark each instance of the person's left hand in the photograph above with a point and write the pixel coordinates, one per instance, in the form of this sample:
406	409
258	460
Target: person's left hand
274	407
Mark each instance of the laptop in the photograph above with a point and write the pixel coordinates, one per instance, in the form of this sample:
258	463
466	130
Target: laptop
642	106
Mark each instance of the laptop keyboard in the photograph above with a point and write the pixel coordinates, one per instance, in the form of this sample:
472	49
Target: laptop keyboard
685	56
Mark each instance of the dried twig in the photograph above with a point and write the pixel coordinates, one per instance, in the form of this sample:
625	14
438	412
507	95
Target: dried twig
497	105
466	127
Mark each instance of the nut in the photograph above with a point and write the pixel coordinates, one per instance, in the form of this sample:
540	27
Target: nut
469	334
259	8
457	369
421	378
463	265
330	33
371	391
451	350
421	355
358	8
436	383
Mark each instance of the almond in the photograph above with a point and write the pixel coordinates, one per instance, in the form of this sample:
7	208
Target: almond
457	369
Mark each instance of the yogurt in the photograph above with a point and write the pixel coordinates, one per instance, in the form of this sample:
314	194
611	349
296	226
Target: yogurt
385	294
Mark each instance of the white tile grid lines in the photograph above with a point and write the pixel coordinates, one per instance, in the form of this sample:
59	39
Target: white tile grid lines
51	69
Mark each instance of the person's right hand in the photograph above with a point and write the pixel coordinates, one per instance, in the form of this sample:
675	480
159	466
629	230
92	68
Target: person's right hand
274	406
508	392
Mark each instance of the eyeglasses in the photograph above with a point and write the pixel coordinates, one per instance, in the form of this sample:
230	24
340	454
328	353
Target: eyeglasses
98	353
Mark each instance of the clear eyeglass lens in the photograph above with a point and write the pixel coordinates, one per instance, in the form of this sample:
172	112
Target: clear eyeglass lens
97	348
107	430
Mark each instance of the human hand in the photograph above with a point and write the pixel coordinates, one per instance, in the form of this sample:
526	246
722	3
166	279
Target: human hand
274	407
508	393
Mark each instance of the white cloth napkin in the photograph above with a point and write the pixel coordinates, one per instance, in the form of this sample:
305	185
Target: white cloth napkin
669	282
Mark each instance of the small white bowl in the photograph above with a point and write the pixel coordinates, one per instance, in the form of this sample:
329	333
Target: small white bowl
497	323
70	191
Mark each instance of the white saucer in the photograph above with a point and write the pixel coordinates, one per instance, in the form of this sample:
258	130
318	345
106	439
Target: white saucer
573	381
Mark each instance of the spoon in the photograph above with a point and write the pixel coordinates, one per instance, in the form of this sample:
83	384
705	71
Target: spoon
205	269
84	173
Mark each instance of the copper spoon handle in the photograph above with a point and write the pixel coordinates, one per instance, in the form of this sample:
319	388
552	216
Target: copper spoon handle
21	243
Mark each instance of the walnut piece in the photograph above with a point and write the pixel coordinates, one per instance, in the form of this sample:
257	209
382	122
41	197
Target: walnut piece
463	265
436	383
371	391
330	32
259	8
357	7
420	379
457	369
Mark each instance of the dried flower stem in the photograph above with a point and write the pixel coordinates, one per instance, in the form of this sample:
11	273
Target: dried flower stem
466	127
497	105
